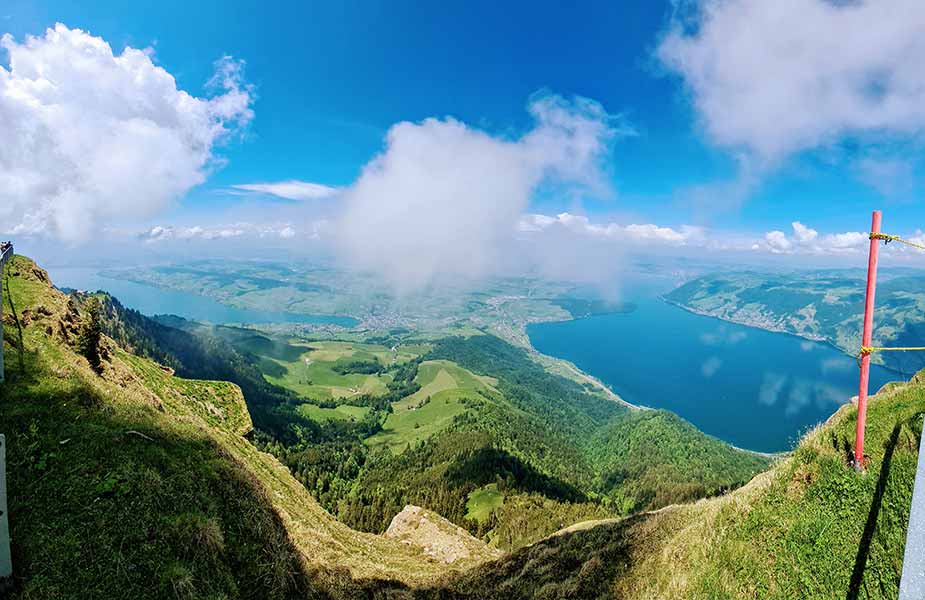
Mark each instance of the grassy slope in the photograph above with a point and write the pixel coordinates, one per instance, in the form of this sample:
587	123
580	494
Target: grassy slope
444	388
309	371
808	528
482	501
136	483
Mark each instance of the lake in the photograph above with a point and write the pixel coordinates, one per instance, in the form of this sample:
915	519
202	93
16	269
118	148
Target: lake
150	300
752	388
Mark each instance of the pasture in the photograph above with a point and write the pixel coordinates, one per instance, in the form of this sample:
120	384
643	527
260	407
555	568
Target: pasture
445	388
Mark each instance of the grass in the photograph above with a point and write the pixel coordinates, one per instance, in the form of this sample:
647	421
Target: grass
342	413
445	388
135	483
810	527
483	501
310	373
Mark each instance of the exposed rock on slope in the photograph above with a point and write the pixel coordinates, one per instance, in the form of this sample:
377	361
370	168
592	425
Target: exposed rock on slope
437	537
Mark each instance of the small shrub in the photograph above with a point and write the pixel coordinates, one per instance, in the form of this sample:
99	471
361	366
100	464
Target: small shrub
90	337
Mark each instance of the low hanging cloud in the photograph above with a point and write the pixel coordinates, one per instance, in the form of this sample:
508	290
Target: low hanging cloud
772	78
444	199
289	190
89	135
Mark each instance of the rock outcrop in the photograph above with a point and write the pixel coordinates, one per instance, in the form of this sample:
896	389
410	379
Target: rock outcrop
438	538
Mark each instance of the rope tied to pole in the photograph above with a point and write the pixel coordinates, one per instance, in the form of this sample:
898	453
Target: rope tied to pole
865	350
887	238
872	349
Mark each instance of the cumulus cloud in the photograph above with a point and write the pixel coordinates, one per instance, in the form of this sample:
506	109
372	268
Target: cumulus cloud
776	78
777	242
89	135
805	240
444	198
581	225
803	234
290	190
163	233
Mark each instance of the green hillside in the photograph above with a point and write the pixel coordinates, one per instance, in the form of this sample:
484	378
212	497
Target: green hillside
134	483
370	424
820	305
130	481
808	528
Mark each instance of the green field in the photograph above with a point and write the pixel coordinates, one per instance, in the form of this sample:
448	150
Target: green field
482	501
311	372
444	389
343	412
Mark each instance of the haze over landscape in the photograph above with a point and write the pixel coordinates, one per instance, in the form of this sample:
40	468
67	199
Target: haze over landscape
459	300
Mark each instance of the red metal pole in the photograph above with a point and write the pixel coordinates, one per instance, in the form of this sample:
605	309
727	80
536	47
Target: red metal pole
866	341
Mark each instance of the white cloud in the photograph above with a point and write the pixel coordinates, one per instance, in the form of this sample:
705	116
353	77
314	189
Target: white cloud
806	240
581	225
161	233
444	199
291	190
88	135
158	233
777	242
777	77
802	233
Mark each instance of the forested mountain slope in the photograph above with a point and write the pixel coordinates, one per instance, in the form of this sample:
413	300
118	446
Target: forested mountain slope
808	528
472	428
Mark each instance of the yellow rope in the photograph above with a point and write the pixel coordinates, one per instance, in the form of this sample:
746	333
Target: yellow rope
865	350
887	238
894	238
872	349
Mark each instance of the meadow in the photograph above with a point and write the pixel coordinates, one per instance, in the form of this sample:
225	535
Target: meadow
445	389
320	370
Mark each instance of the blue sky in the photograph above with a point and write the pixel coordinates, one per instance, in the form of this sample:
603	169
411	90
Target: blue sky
328	80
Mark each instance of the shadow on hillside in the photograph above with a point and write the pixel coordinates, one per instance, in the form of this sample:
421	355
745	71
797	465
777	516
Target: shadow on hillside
860	561
18	324
579	564
116	503
482	465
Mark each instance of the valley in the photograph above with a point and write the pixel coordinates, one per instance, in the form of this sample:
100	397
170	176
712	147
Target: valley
450	418
216	474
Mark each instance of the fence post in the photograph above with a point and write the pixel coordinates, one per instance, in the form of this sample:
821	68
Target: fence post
6	562
3	257
866	341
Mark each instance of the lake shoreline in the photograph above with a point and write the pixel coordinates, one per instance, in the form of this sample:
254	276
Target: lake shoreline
768	392
820	340
187	304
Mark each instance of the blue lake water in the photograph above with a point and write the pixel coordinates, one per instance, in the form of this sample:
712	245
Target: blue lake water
152	300
752	388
